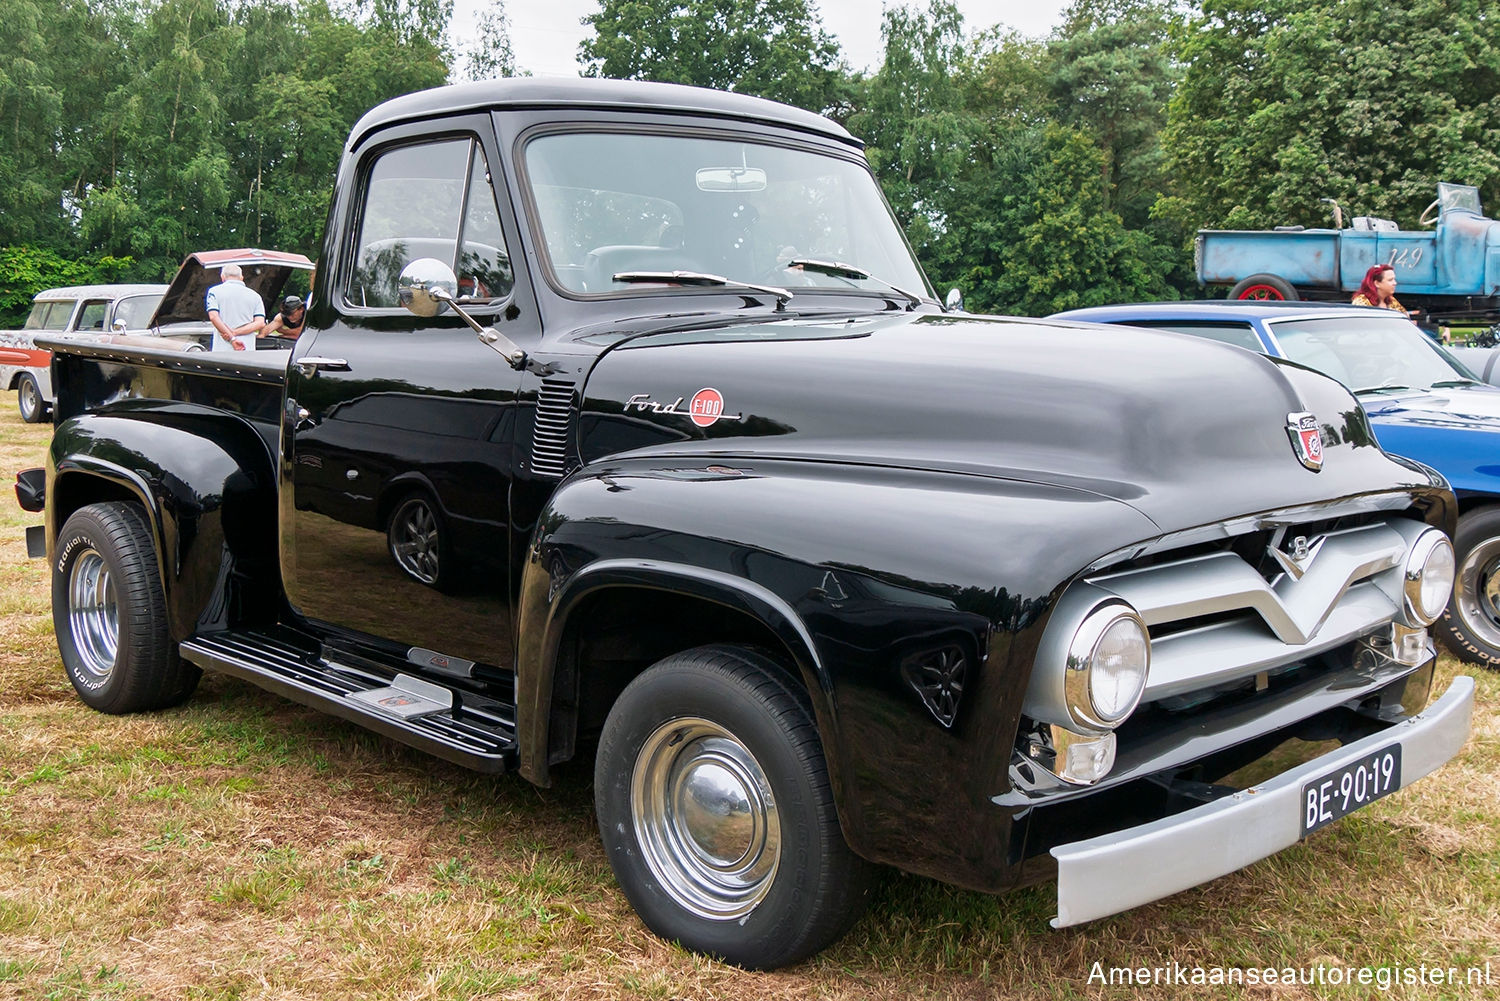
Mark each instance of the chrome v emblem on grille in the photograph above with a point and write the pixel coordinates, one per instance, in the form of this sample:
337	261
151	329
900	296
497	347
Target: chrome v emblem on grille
1296	562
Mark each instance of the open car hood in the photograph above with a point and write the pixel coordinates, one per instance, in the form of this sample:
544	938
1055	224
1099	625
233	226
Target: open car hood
266	271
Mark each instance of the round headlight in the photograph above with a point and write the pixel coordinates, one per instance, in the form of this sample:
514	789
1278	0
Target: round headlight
1107	664
1429	577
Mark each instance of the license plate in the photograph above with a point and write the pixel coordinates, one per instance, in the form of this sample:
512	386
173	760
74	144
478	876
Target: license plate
1344	790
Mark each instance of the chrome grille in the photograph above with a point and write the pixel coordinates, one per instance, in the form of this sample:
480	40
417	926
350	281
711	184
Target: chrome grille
1351	585
551	432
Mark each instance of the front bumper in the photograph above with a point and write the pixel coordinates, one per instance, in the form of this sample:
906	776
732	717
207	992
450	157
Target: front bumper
1118	871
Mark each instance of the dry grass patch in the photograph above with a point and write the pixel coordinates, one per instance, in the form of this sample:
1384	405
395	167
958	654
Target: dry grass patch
240	847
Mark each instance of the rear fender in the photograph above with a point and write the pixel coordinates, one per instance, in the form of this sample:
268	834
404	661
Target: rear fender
207	484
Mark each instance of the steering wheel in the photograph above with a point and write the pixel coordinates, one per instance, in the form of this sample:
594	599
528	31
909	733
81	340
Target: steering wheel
1428	217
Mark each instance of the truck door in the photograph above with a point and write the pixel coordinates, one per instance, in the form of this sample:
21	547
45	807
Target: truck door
399	444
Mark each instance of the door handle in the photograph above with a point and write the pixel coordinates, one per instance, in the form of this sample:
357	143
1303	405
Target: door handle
311	365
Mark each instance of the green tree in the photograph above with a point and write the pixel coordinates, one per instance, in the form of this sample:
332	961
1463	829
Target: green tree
768	48
1111	72
1284	103
490	54
913	118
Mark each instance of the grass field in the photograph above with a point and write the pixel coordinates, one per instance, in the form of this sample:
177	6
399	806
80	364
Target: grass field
244	847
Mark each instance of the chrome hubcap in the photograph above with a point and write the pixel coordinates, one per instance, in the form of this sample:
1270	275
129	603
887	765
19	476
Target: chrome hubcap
1478	591
30	399
414	540
705	818
93	616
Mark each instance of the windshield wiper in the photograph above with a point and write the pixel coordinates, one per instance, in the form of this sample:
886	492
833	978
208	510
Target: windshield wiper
1450	383
699	278
1387	388
838	269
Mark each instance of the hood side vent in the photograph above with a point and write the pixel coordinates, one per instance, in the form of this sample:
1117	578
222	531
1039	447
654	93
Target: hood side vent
552	443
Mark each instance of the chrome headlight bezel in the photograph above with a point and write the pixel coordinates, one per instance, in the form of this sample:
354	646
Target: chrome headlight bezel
1080	679
1430	561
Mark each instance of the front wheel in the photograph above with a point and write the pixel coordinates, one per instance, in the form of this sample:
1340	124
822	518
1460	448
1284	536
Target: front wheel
1471	625
109	613
29	399
716	812
1265	287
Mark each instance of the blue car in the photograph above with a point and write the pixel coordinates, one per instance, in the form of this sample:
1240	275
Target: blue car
1422	403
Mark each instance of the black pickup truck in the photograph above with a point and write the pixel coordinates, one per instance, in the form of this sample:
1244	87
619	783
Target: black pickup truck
626	426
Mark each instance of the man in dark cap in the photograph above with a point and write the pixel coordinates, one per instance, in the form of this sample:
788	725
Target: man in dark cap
289	322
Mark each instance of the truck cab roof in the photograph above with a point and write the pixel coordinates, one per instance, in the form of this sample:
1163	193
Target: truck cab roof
625	95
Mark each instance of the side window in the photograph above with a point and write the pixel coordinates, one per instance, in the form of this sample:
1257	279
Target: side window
91	317
429	201
50	315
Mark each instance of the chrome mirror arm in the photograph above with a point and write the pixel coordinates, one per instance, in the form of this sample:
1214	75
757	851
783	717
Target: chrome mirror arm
506	348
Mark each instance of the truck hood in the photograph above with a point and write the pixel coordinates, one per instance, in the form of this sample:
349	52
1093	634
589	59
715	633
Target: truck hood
1185	430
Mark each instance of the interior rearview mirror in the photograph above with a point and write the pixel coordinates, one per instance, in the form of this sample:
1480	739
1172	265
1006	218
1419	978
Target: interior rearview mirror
731	179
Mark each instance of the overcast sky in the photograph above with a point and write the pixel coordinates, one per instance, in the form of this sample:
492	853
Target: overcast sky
546	33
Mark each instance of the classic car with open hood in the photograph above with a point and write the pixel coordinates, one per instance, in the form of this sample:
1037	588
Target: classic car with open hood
625	427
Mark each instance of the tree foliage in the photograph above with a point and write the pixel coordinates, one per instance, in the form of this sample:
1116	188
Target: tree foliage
1284	103
769	48
1035	173
148	129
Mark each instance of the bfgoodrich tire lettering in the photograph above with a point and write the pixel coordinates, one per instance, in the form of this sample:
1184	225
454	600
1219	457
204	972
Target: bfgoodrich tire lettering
110	615
715	810
1471	625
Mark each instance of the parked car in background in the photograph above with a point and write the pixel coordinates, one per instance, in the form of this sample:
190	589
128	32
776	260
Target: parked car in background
163	316
1421	401
1450	272
77	310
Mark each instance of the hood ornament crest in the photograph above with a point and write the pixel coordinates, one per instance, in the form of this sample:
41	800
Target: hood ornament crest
1307	440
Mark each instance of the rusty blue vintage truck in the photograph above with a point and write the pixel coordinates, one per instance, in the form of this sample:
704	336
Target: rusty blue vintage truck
1449	272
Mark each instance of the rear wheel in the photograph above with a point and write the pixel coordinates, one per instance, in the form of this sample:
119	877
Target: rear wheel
29	399
1265	287
1471	625
716	812
110	615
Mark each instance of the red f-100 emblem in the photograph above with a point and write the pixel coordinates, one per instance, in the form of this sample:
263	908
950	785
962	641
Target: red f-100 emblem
707	406
1307	440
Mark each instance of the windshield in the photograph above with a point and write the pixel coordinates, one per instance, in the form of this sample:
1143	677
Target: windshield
1367	351
1459	198
611	203
136	310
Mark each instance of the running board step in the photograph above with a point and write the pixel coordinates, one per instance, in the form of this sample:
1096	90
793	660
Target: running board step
447	723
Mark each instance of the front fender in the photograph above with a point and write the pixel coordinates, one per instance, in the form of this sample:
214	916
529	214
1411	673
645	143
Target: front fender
207	483
872	579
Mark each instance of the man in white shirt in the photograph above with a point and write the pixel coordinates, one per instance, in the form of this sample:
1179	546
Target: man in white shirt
235	311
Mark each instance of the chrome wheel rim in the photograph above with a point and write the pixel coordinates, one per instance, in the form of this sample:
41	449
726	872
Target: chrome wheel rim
414	540
30	399
93	616
705	819
1477	591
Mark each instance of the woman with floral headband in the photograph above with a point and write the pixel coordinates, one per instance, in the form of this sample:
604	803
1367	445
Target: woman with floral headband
1379	289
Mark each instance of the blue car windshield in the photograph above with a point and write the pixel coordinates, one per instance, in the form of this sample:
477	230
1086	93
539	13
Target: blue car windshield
1369	351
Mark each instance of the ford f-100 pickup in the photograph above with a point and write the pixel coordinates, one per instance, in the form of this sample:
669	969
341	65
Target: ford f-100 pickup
625	426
